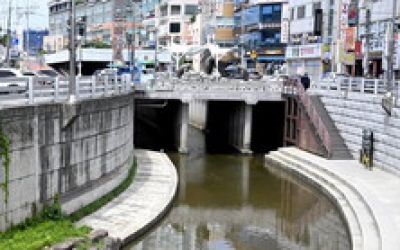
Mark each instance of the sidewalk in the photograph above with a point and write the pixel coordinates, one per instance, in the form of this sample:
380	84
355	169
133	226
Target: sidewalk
143	203
368	200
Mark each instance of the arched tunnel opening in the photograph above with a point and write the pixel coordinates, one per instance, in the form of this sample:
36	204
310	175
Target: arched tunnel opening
157	124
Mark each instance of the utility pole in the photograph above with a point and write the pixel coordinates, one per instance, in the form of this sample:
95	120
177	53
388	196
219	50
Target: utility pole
8	34
367	40
72	70
133	40
391	46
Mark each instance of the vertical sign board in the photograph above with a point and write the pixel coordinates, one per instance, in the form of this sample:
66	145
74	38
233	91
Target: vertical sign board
119	30
367	148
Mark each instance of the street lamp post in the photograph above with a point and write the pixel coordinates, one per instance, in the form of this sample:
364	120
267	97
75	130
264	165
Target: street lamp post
391	47
72	70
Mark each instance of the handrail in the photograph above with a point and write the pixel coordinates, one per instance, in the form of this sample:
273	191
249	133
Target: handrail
293	86
356	84
33	90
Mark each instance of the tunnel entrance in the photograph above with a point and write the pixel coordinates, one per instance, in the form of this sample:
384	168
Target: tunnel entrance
268	126
157	124
225	128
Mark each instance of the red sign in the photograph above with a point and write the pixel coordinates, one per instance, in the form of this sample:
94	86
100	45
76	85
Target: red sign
358	48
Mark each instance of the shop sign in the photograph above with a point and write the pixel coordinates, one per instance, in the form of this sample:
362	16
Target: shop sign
273	52
352	14
358	48
350	39
347	58
304	51
396	55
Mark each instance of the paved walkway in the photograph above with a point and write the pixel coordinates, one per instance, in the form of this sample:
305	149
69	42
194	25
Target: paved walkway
143	203
369	200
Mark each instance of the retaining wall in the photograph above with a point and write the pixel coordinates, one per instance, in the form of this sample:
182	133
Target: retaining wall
78	152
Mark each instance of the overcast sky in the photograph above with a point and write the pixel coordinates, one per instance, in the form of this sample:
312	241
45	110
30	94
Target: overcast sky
38	19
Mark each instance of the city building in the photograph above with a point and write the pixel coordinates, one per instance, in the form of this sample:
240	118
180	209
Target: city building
312	40
96	21
261	31
174	19
374	19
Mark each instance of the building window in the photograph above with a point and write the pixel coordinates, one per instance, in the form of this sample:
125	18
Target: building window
301	12
190	9
271	13
175	9
174	28
316	6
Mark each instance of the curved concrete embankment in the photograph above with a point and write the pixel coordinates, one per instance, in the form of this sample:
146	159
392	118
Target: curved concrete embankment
368	200
75	151
143	204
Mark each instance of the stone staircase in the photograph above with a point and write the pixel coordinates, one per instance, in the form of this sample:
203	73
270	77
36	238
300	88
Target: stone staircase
338	146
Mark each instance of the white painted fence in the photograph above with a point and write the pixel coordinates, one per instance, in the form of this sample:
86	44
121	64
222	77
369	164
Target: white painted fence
356	84
34	90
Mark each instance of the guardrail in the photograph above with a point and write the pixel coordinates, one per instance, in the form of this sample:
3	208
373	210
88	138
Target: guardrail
356	84
33	90
293	86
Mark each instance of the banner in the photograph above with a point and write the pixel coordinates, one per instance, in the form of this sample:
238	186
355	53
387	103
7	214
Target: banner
350	39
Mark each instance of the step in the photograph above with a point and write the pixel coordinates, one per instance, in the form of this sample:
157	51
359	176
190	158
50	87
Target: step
365	218
387	229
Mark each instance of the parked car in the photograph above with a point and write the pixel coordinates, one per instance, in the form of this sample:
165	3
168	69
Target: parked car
12	78
43	76
254	74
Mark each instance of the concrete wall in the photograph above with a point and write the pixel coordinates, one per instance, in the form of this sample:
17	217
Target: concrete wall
80	161
355	112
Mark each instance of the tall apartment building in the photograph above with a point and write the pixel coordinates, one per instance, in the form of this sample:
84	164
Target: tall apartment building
261	28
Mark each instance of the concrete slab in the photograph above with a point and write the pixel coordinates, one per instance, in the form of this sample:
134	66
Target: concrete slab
373	195
143	203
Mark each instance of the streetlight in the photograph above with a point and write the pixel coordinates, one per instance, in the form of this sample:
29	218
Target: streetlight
72	70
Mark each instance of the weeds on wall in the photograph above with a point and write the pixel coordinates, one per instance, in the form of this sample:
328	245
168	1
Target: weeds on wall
5	158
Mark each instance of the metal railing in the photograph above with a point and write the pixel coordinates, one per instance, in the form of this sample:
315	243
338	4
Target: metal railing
34	90
356	84
293	86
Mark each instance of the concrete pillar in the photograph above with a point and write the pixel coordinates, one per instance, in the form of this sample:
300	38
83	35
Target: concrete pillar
248	122
183	145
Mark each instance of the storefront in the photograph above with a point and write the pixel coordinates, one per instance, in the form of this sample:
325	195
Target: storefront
305	59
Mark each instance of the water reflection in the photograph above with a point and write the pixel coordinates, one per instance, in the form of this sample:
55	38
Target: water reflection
235	202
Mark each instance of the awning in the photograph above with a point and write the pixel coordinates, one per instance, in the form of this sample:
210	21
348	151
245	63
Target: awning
271	58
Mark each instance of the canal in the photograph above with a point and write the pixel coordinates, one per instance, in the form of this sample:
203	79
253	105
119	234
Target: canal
228	201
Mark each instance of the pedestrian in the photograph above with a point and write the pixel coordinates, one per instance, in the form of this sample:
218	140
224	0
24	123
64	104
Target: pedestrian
305	81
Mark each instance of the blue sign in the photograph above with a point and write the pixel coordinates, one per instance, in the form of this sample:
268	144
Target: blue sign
15	41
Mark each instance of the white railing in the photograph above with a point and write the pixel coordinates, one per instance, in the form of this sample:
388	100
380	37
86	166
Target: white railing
212	86
355	84
34	90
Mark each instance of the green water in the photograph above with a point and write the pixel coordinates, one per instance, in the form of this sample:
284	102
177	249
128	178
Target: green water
237	202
